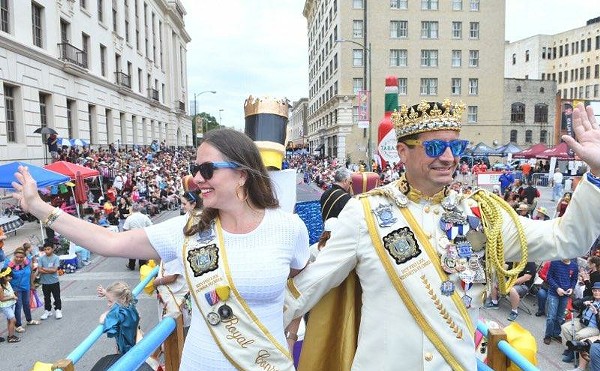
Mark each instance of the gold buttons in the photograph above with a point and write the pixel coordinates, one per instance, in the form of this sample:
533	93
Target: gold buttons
428	356
426	209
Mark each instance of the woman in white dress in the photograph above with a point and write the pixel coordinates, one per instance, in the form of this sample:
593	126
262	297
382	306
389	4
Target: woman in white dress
238	254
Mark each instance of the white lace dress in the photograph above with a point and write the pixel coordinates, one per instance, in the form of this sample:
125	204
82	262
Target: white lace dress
260	263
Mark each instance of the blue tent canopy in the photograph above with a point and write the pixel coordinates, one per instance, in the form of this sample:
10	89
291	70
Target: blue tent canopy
43	177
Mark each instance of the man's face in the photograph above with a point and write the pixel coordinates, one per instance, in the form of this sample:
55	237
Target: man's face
427	174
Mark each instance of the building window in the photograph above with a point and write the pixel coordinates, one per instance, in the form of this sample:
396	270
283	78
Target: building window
429	58
474	30
513	136
474	5
542	90
514	59
456	4
357	4
357	28
85	47
518	88
100	11
355	115
398	29
429	86
36	24
398	58
429	30
357	85
402	86
517	112
457	30
456	58
543	136
456	84
588	89
43	110
528	136
541	112
115	16
472	114
4	16
103	60
526	55
357	57
70	118
596	90
473	86
429	4
9	111
83	4
473	58
399	4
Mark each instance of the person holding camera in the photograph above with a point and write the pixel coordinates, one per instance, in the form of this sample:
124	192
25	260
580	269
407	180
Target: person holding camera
586	326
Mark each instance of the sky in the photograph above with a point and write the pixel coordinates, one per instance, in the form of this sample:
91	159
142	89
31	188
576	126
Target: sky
259	48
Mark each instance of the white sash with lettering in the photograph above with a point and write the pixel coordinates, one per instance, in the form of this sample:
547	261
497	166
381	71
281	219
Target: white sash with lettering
242	338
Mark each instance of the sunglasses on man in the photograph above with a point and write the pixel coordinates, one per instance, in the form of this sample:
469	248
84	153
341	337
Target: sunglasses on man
207	169
436	147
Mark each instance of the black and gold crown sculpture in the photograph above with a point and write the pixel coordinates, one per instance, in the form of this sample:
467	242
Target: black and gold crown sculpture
427	116
266	122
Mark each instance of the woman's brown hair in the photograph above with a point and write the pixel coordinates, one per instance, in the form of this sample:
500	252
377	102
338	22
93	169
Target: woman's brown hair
239	148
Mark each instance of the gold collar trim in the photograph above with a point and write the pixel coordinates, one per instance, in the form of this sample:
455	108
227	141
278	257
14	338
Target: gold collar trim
417	196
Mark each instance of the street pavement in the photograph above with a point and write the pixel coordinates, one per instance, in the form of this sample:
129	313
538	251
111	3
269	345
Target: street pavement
53	339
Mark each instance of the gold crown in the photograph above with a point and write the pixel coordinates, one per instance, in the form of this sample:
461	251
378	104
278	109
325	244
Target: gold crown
427	116
254	106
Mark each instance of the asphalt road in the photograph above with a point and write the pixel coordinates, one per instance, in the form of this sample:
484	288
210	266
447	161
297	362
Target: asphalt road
54	339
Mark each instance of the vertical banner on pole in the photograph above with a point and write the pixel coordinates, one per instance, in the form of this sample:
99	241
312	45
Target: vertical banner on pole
363	108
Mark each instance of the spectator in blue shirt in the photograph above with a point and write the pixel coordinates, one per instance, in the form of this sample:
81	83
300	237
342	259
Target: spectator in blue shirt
506	179
562	278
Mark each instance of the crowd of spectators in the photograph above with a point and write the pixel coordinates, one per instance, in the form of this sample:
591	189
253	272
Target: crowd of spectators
150	176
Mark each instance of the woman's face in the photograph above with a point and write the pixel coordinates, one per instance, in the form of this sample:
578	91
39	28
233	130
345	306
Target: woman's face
218	192
19	258
567	197
186	205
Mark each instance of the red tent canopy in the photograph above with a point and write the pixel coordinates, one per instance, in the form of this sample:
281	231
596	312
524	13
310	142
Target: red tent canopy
70	169
561	151
531	152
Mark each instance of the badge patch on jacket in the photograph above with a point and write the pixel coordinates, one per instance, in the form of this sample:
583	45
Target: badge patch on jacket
402	245
203	259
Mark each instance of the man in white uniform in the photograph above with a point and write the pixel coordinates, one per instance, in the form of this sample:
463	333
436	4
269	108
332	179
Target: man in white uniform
419	249
557	184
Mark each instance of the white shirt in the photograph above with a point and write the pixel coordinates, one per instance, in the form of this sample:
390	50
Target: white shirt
260	263
137	220
557	178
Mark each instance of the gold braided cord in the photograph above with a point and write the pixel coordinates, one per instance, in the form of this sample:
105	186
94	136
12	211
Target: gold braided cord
490	205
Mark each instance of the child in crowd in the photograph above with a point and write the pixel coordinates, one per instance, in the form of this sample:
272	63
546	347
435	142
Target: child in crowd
8	299
48	268
121	319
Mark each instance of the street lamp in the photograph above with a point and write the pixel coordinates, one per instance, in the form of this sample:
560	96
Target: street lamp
196	112
367	80
220	121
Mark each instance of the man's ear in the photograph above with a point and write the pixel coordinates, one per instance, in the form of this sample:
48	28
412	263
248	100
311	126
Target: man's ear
402	149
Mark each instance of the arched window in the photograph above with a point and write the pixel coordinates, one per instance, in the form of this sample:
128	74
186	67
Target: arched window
543	136
541	112
517	112
514	59
542	90
518	88
528	136
513	136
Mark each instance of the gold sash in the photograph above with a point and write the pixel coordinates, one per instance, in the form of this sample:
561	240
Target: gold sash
242	338
429	329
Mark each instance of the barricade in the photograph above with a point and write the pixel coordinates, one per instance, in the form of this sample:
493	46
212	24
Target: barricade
500	352
539	179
